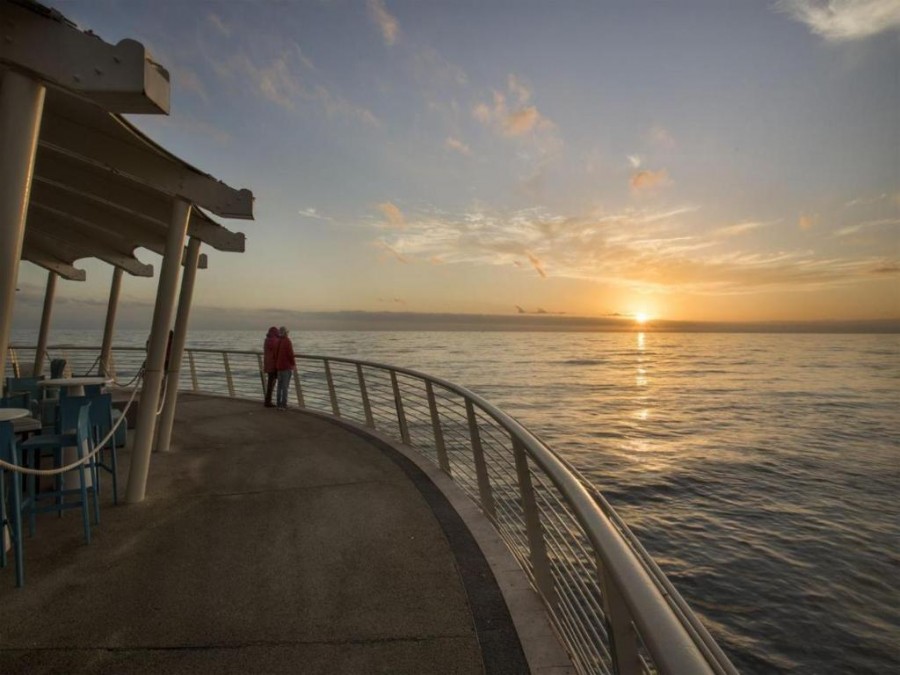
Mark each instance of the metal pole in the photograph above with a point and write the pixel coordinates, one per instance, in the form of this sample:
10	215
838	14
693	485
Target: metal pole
167	418
228	378
45	324
484	481
21	106
298	389
364	394
156	355
332	394
106	350
398	403
443	461
194	384
619	625
536	544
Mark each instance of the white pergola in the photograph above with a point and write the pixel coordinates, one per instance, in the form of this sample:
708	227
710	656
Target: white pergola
78	181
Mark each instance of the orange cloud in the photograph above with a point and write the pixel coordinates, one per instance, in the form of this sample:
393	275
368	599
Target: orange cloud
390	28
457	145
537	264
647	180
393	214
806	222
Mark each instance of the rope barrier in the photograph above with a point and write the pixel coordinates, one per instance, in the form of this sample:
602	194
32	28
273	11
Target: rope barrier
68	467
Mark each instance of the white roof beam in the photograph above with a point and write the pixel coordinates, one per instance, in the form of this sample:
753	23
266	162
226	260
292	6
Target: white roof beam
122	78
52	264
143	164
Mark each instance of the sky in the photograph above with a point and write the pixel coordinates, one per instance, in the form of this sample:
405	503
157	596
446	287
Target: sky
714	161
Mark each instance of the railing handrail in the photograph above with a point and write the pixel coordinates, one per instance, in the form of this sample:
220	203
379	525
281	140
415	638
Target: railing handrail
672	633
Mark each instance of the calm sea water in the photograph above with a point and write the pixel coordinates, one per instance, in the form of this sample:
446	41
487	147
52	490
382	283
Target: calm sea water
761	471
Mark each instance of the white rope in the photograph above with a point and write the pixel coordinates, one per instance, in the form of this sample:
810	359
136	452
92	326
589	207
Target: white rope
68	467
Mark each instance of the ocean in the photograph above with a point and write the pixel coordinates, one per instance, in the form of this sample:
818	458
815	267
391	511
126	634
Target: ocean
762	471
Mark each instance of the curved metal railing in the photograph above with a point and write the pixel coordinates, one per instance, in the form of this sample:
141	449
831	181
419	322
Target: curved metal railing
610	603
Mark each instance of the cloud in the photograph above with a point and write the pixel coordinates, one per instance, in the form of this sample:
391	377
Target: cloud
844	20
390	28
188	80
537	264
635	161
640	249
853	229
518	121
313	213
660	136
741	228
806	222
645	180
216	21
393	214
457	145
393	251
278	79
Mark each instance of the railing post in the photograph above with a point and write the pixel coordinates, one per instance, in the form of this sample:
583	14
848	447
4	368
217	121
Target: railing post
194	383
398	403
332	394
443	462
14	358
619	625
297	389
484	481
364	394
536	544
262	375
228	377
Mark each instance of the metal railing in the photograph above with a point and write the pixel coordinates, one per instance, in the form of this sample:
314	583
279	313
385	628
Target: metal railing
612	607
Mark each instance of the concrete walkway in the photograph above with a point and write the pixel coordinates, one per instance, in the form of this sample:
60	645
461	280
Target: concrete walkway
269	542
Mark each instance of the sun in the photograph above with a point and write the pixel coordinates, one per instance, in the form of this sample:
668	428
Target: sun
641	318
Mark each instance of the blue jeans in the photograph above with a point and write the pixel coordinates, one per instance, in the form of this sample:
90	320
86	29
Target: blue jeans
284	383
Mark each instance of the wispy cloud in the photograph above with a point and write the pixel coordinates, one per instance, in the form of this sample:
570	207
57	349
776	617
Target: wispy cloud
844	20
741	228
660	136
188	80
387	248
853	229
806	222
645	180
216	21
457	145
641	249
386	22
287	79
517	120
536	264
314	214
393	214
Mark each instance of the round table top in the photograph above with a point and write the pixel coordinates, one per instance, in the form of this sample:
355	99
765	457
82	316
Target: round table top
10	414
74	381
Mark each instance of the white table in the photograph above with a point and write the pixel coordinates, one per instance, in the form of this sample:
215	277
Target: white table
74	387
10	414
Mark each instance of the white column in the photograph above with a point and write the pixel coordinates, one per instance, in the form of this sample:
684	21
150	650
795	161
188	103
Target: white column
21	106
114	289
167	418
156	354
45	323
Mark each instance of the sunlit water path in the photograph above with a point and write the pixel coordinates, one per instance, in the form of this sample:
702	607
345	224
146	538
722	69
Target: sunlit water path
762	471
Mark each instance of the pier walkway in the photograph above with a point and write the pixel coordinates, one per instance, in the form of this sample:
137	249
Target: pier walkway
269	542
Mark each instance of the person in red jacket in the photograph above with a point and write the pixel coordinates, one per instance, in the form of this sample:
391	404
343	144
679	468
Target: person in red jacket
270	347
284	364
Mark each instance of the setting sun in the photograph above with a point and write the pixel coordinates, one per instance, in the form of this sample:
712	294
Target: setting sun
641	317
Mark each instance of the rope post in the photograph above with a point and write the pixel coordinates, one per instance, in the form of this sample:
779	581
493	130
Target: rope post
364	395
332	394
484	481
401	413
443	461
536	544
